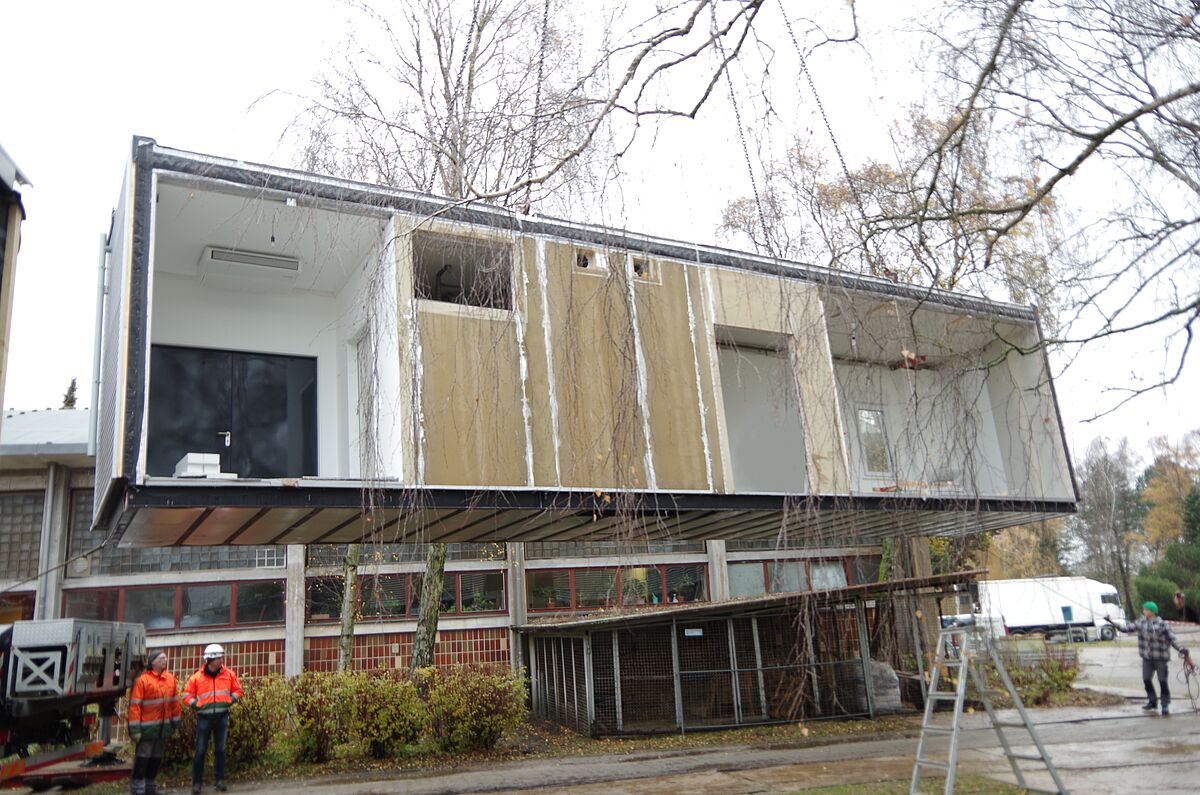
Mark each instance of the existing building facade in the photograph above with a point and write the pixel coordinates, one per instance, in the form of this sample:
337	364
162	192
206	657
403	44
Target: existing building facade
276	608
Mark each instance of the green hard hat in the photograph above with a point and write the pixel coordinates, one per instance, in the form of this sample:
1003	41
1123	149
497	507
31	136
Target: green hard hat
1151	606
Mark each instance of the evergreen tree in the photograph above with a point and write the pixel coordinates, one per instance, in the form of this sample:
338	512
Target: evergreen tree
69	396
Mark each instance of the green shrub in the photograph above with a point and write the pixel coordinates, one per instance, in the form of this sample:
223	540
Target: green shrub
1151	588
471	707
253	723
182	744
387	713
1039	679
320	711
255	720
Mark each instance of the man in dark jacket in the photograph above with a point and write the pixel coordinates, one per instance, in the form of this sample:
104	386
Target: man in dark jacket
211	691
1155	641
1186	612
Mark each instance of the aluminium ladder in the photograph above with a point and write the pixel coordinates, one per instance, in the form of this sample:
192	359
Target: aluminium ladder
968	649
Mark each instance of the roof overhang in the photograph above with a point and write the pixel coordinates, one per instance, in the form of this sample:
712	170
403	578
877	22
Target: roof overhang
694	611
176	511
36	456
314	190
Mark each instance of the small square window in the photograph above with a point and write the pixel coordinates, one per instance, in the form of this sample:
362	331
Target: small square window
588	260
644	270
461	270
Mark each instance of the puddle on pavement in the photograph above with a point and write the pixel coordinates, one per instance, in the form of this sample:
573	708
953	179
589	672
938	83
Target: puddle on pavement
1172	747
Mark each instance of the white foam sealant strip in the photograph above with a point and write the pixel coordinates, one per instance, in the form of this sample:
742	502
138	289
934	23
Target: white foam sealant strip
414	347
540	261
708	468
708	292
643	389
519	317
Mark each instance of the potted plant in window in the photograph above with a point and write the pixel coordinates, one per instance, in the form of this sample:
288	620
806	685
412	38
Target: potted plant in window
548	594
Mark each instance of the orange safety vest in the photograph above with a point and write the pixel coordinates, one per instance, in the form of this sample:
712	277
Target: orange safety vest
154	706
212	694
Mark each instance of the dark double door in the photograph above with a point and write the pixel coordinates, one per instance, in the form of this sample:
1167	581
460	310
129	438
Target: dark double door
258	411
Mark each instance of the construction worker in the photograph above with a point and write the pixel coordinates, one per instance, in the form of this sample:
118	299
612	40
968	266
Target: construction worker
154	715
1155	641
211	691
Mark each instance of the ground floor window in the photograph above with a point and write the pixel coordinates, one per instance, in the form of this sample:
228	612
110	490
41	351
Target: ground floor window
164	608
760	577
607	587
382	596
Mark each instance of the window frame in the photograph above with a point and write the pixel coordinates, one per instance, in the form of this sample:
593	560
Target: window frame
411	578
124	590
450	238
618	586
879	409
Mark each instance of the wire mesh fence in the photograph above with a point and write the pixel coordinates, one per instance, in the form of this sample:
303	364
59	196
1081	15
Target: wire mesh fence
801	662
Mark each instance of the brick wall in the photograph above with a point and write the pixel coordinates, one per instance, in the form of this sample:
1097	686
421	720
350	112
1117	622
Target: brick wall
394	649
248	660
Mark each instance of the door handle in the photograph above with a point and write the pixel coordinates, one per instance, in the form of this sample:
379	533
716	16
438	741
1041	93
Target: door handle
228	437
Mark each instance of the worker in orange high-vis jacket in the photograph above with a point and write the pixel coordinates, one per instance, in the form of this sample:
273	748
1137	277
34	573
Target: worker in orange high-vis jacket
211	691
154	715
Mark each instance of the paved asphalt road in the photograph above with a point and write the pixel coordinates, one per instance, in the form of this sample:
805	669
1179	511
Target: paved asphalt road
1097	750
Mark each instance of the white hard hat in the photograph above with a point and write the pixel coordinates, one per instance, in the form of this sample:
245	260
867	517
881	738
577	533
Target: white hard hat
213	650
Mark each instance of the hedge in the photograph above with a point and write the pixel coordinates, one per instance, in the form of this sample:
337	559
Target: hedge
319	716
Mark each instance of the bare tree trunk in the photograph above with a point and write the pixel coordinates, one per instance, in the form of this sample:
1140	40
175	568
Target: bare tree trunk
431	600
349	601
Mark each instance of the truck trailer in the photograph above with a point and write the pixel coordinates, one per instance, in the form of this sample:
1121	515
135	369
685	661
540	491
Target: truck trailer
1076	608
51	673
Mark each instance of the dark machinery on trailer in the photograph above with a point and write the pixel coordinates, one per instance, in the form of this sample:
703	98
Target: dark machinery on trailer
51	672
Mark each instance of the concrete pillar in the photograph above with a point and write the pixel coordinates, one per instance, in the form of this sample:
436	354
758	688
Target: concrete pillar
518	613
52	551
293	632
718	569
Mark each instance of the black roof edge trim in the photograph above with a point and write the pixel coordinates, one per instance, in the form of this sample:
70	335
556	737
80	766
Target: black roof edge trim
265	177
602	503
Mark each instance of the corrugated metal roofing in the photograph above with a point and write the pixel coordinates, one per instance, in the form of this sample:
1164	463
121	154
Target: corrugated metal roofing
696	610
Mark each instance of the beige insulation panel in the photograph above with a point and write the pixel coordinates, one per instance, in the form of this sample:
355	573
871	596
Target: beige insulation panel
673	388
539	354
471	398
609	358
601	442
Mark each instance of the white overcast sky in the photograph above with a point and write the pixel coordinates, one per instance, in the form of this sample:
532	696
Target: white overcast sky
88	76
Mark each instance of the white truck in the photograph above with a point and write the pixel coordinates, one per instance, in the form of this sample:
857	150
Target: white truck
1071	607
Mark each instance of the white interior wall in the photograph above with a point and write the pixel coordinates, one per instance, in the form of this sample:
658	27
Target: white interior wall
367	306
940	427
1035	451
762	417
294	324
